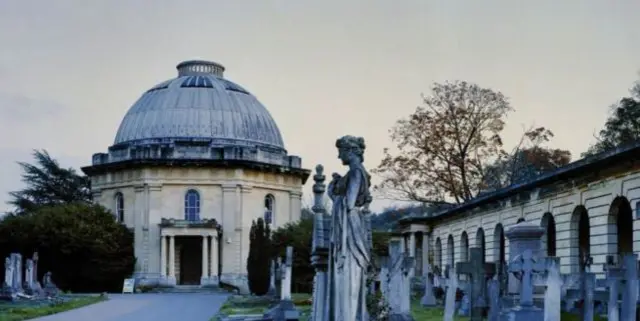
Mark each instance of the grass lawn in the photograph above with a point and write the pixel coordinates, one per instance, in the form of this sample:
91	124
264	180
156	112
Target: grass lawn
437	314
241	304
25	313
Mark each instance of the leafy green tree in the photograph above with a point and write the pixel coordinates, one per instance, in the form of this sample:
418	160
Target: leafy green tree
621	128
259	257
299	235
80	243
47	183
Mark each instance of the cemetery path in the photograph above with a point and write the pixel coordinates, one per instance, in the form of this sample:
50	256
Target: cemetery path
147	307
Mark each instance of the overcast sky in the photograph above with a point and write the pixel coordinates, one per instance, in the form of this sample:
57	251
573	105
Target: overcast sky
69	70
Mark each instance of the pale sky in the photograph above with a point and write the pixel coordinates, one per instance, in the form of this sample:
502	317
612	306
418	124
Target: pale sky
69	70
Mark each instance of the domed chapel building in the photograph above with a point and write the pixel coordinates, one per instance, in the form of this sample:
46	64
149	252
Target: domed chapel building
196	159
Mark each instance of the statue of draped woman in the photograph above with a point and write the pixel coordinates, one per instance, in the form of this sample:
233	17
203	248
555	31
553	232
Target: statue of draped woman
350	250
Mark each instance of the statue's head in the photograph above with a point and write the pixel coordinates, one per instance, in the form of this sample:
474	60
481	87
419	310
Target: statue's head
350	147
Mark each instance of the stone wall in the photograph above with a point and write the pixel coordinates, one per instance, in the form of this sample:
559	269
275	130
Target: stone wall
603	200
234	197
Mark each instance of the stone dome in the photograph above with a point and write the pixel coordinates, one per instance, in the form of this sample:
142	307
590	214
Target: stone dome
200	105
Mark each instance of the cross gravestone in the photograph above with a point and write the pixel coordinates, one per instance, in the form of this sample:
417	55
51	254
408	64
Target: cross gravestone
399	286
285	310
523	267
614	274
477	271
428	299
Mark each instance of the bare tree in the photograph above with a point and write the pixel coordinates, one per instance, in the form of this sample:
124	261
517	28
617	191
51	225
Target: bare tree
527	159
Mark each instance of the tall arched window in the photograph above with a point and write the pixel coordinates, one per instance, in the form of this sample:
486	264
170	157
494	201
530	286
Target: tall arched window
192	205
269	207
119	199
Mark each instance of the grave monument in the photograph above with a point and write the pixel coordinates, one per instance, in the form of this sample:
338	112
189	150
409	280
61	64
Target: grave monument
398	293
344	290
477	271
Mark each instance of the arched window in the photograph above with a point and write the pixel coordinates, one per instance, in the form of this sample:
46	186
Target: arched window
119	199
192	205
269	207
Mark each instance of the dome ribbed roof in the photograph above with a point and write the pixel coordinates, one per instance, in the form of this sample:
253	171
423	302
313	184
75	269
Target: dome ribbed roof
199	105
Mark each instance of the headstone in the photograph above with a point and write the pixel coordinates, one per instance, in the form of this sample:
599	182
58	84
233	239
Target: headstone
428	299
50	289
7	292
17	272
450	297
399	286
384	275
28	277
477	271
589	287
272	278
279	274
285	310
493	289
552	295
630	291
8	272
465	303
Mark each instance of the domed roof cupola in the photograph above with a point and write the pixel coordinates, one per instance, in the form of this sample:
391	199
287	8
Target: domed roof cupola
200	104
198	118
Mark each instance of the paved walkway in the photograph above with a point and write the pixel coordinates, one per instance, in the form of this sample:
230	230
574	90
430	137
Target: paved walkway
147	307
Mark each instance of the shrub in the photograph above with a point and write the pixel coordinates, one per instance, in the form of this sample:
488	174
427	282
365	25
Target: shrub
81	244
299	234
259	257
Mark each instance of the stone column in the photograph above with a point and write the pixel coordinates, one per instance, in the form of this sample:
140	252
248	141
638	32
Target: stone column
425	253
412	244
172	260
295	207
230	243
139	213
213	273
163	257
204	280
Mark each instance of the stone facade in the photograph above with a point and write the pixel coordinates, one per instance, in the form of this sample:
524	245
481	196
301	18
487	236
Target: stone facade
586	208
231	197
195	161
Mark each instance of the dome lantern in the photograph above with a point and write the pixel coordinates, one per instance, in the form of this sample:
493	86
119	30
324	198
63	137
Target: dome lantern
199	68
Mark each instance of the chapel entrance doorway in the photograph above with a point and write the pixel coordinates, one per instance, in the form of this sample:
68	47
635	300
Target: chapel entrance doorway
190	260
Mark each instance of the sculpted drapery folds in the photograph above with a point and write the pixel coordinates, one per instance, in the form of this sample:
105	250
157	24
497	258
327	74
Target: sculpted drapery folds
350	253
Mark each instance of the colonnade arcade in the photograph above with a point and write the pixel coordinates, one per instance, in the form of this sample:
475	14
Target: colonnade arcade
582	238
190	252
